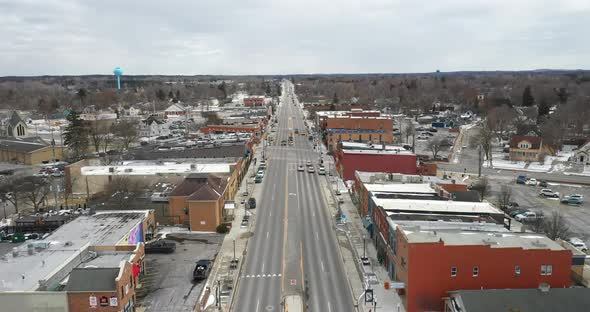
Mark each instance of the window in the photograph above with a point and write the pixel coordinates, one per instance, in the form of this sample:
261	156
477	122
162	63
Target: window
453	271
122	292
546	269
475	271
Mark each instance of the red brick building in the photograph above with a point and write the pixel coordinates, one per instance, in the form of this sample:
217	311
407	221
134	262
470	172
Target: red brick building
253	101
229	128
432	263
388	160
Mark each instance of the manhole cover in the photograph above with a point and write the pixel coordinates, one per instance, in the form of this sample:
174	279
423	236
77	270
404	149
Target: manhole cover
270	308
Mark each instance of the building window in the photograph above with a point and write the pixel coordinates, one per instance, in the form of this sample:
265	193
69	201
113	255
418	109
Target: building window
517	270
122	292
453	271
475	271
546	269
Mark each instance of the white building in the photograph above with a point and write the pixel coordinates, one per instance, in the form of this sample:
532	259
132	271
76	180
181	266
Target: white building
152	127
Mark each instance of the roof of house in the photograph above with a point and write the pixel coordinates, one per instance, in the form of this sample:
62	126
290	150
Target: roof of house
21	145
93	279
522	300
202	186
150	119
534	140
175	108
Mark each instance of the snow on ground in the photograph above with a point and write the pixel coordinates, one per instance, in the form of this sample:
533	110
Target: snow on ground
499	163
564	156
538	167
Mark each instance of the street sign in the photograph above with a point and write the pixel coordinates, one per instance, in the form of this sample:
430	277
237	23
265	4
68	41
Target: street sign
397	285
293	282
368	295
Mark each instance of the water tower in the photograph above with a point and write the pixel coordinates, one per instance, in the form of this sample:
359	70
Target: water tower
118	72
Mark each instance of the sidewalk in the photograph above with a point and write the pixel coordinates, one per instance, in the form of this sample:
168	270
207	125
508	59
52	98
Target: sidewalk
224	276
350	236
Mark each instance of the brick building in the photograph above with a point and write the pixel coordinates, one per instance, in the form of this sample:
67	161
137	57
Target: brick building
350	157
358	129
253	101
430	263
199	201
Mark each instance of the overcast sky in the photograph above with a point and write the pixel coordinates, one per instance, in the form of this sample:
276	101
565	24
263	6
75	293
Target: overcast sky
49	37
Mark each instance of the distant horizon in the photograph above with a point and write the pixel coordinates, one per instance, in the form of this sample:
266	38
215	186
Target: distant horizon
540	70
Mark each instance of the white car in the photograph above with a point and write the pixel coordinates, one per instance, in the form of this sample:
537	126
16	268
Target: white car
578	243
526	216
310	169
531	181
308	163
549	193
301	168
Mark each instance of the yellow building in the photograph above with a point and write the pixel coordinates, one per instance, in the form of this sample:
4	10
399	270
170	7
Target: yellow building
29	151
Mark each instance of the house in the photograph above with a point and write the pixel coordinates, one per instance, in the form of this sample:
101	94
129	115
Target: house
541	299
582	154
528	148
175	110
153	127
199	201
16	127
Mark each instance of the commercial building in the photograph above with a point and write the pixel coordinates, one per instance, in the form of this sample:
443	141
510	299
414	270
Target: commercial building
94	261
29	151
323	115
253	101
199	201
351	156
358	129
541	299
430	263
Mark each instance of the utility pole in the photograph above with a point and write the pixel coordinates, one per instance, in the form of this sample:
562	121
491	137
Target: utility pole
479	163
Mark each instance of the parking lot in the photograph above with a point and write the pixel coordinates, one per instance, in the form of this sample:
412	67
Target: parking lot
423	140
167	285
527	196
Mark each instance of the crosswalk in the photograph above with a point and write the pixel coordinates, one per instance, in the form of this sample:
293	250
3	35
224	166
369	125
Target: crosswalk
261	275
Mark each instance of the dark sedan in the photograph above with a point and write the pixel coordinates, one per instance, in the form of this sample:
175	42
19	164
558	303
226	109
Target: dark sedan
160	246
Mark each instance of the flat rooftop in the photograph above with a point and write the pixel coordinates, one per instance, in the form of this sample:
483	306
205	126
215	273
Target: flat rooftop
405	188
447	223
493	239
374	146
105	228
392	205
108	259
143	168
388	178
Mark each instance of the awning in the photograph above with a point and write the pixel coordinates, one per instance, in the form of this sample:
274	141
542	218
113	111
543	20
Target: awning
229	205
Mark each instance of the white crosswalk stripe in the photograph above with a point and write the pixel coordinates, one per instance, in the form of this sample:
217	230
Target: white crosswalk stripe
261	275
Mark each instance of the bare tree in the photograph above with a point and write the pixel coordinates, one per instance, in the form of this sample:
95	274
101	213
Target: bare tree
126	131
408	129
98	135
35	190
484	139
504	196
11	191
556	227
436	144
123	190
482	186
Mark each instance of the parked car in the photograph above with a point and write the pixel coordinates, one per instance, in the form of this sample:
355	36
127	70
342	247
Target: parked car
572	199
578	243
549	193
521	179
202	269
258	179
245	221
528	216
513	213
543	183
511	206
531	181
252	203
322	171
160	246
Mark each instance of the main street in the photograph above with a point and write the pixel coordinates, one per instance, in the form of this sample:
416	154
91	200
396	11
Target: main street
293	247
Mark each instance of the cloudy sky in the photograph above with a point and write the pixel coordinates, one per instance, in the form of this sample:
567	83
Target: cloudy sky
50	37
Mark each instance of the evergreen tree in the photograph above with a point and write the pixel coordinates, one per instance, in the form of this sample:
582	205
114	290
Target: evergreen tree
268	90
160	95
527	97
543	108
335	98
177	95
170	95
76	136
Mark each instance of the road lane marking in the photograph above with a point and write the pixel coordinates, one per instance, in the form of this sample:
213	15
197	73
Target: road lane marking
317	236
329	307
262	267
258	305
322	262
267	234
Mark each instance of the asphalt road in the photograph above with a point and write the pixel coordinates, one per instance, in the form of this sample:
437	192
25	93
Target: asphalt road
293	247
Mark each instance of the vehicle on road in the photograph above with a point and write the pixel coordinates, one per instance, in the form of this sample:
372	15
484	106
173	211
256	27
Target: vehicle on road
549	193
252	203
310	169
528	216
531	181
521	179
202	269
308	163
258	179
578	243
322	171
301	168
283	143
160	246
